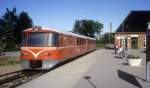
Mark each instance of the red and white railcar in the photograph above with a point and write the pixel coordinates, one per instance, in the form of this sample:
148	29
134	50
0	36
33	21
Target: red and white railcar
42	48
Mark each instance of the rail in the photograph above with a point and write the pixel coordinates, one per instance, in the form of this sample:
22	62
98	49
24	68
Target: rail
14	79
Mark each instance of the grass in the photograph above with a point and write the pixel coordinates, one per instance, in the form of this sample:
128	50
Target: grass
100	45
9	61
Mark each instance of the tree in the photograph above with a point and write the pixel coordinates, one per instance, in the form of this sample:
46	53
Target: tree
24	22
108	38
1	27
87	27
11	27
8	25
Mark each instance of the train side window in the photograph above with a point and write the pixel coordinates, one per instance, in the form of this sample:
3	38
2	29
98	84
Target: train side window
84	42
65	41
53	39
60	40
56	39
78	41
75	41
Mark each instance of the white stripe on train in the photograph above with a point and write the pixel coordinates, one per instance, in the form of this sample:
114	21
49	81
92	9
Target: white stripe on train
36	54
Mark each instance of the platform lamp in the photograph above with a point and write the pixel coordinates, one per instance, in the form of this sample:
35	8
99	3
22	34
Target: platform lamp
148	53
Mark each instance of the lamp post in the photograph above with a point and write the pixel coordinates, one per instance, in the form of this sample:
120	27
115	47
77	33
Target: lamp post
148	53
2	38
123	36
110	31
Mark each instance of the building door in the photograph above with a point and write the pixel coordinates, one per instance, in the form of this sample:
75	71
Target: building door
134	42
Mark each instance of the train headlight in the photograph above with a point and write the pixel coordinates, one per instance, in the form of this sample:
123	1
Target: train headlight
47	54
24	54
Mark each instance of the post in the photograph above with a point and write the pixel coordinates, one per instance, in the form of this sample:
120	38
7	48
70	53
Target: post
148	53
110	31
2	45
123	36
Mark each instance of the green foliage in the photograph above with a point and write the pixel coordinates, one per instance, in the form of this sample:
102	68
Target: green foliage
24	22
9	61
108	38
8	25
11	27
100	44
105	40
87	27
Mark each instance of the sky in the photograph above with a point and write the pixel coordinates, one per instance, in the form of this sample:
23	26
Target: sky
62	14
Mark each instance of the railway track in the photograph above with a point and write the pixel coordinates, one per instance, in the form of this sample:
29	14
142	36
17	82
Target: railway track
14	79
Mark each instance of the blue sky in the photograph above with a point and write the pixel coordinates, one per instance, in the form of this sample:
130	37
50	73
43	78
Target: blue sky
62	14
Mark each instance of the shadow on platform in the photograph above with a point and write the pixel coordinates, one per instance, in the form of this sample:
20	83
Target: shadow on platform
118	57
129	78
125	64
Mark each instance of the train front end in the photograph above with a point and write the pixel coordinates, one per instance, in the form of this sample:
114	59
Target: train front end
39	48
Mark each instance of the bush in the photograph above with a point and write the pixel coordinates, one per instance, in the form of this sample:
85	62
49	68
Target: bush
9	61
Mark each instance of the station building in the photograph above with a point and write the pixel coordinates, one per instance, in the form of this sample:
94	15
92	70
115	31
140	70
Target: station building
131	33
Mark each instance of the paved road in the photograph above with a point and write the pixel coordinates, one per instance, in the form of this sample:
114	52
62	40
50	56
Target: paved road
105	69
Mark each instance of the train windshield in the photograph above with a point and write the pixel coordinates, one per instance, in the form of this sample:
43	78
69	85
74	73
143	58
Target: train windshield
36	39
40	39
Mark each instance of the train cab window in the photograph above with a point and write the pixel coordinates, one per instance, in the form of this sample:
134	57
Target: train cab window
53	39
36	39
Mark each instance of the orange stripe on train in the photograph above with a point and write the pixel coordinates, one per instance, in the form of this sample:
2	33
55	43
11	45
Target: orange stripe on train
40	54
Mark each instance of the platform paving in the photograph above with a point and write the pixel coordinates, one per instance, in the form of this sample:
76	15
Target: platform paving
103	68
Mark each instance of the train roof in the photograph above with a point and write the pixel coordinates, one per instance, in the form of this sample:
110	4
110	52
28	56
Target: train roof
59	31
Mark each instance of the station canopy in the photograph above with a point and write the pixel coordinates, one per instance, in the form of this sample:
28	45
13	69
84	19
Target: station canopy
136	21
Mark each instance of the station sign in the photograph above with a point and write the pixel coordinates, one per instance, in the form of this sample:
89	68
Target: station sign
134	35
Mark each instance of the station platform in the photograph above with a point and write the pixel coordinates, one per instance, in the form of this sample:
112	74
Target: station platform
98	69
